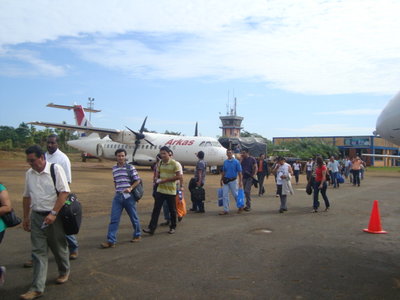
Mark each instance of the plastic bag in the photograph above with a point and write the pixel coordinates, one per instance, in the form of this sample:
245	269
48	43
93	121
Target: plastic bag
240	199
180	205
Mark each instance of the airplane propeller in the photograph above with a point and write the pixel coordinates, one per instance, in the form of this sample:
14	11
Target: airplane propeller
139	136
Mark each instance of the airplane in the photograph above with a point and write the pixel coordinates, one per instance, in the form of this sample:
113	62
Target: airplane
141	147
388	125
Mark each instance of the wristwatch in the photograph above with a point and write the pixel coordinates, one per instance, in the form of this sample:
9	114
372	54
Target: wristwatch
53	213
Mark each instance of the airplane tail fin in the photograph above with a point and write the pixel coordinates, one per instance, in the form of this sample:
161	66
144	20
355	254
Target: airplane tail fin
79	113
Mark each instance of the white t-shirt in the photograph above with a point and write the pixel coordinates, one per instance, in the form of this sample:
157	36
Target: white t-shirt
296	166
333	166
59	157
40	187
283	170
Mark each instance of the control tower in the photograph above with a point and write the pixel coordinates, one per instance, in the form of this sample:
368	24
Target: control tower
231	123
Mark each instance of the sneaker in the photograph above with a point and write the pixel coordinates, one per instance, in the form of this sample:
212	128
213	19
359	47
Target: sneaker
166	223
223	213
281	211
240	210
30	295
73	255
247	209
136	239
314	211
148	231
180	218
326	209
62	278
28	264
171	231
106	245
2	275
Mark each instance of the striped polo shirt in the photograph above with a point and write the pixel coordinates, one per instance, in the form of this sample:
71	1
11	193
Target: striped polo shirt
121	176
168	170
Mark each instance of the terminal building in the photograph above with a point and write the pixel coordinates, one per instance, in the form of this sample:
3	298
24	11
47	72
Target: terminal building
356	145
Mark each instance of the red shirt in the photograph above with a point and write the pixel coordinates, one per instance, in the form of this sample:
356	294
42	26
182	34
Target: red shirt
318	172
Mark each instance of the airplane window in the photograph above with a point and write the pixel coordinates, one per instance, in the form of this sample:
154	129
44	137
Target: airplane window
142	146
216	144
147	146
202	144
208	144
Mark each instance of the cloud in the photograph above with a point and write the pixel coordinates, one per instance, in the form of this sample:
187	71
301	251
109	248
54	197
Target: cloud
16	63
328	130
352	112
313	47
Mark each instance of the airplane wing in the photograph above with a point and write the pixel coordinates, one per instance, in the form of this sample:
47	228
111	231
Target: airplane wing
101	131
382	155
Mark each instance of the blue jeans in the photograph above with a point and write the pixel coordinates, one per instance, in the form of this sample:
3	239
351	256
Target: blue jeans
119	203
72	243
230	186
323	193
334	176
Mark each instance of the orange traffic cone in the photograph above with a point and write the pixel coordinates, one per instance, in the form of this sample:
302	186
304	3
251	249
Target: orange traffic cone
375	220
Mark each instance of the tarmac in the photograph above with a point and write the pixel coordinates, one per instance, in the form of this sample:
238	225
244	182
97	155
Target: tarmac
260	254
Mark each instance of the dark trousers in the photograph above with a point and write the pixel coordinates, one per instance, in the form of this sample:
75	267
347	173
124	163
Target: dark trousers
296	175
2	235
323	193
158	203
260	178
356	177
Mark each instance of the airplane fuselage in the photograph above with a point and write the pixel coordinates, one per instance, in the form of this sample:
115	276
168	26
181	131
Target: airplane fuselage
184	148
388	123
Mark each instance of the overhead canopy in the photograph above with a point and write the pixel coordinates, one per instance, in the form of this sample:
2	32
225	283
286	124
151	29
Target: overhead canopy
256	146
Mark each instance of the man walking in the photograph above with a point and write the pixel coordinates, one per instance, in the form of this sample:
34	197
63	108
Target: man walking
333	167
126	178
46	229
231	170
56	156
196	184
169	173
262	172
249	170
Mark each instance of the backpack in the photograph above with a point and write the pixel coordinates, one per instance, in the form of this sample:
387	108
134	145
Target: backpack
71	212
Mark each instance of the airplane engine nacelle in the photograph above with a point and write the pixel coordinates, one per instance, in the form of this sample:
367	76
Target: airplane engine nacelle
123	137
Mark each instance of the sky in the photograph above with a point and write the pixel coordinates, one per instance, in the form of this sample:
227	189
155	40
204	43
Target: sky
296	68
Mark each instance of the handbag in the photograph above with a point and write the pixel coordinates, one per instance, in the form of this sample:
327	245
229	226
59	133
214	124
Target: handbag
11	219
71	212
309	186
138	191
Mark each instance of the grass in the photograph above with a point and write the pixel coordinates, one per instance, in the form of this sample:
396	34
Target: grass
384	169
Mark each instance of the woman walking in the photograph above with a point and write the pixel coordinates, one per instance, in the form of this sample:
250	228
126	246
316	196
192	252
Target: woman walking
320	184
5	207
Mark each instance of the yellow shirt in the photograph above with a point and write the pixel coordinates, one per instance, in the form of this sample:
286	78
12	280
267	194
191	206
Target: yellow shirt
168	170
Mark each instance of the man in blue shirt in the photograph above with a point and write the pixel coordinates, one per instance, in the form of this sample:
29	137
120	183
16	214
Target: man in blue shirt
231	170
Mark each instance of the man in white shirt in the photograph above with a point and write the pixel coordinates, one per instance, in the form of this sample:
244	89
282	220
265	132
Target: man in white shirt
41	205
55	156
333	167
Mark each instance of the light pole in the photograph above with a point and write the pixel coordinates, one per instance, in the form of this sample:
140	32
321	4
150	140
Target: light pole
91	105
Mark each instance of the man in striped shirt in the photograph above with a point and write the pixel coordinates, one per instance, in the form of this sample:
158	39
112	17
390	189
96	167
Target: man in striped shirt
126	179
166	191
